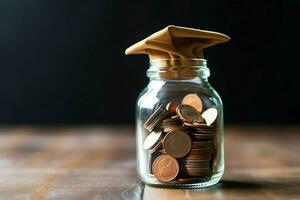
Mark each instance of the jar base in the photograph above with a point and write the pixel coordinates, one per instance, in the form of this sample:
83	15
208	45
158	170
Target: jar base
195	185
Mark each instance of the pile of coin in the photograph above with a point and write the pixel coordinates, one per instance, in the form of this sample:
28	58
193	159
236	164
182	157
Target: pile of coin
181	140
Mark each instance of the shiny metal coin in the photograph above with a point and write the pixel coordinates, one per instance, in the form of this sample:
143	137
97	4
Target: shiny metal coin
172	107
210	115
156	117
189	114
152	139
165	168
177	144
193	100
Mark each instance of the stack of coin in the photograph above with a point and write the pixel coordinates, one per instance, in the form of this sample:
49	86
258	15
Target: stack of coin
201	131
181	141
157	116
172	124
153	141
198	161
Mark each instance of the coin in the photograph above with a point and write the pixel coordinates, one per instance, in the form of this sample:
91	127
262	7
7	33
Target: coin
205	130
156	147
194	125
193	100
205	157
201	136
172	124
201	149
156	117
187	180
210	115
152	139
201	143
199	173
165	168
172	120
188	114
196	165
200	153
149	169
181	143
177	144
196	155
172	106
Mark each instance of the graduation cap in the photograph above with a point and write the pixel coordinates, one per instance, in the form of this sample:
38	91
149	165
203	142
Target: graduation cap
175	42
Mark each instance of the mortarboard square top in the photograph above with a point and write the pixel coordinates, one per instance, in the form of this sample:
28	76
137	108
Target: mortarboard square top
175	42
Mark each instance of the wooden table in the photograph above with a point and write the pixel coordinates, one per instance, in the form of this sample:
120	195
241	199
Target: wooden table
99	163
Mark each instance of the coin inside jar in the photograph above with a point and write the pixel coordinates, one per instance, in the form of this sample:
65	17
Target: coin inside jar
177	143
189	114
152	140
210	115
172	106
156	117
193	100
165	168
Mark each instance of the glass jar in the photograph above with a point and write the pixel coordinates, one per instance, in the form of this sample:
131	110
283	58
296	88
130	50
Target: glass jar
179	126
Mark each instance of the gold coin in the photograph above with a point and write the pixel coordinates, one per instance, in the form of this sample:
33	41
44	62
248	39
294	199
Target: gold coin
189	114
193	100
177	143
165	168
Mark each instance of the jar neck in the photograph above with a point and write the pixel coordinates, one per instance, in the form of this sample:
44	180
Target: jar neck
181	69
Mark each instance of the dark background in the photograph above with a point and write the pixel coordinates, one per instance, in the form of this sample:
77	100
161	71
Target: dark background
63	61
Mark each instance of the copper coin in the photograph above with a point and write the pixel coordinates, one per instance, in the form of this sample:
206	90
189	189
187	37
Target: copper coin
201	136
201	150
189	114
198	154
198	159
202	143
165	168
195	165
174	128
187	180
200	125
177	143
200	173
171	122
172	106
193	100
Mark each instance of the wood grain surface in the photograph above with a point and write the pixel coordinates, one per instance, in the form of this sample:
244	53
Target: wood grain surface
99	163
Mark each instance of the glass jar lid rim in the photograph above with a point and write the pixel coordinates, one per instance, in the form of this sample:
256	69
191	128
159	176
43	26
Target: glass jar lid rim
179	62
164	59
